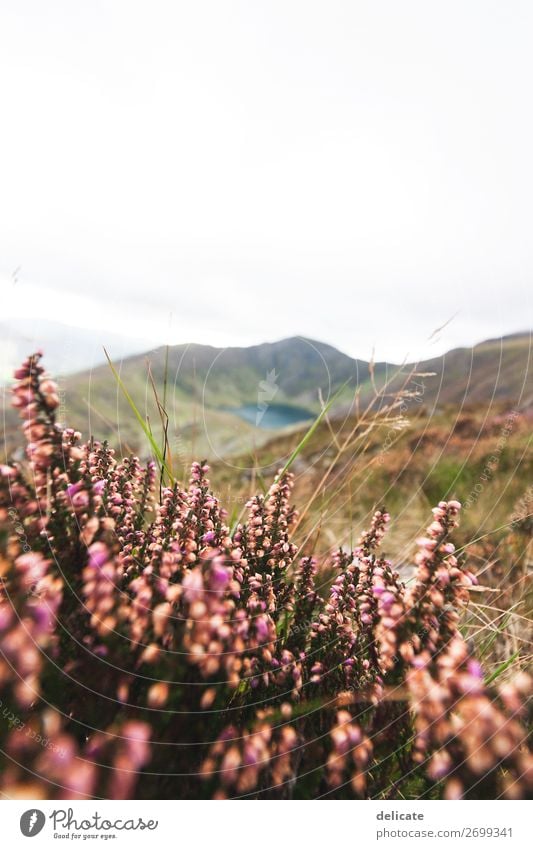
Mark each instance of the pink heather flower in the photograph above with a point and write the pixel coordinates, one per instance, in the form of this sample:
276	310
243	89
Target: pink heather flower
193	585
474	668
219	576
170	612
98	555
262	628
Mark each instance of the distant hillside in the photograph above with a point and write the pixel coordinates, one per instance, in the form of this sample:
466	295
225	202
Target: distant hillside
226	401
482	457
295	368
498	369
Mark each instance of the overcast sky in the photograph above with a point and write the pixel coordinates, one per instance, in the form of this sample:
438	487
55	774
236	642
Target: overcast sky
235	172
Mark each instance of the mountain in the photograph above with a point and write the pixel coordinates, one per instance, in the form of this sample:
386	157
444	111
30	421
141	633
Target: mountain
494	370
218	399
224	401
294	370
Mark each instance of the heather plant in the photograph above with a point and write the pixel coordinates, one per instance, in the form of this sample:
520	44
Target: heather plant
147	650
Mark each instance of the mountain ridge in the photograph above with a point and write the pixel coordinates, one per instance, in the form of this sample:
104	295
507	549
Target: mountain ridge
216	398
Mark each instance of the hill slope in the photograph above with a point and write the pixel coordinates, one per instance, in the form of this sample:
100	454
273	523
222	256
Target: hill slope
219	400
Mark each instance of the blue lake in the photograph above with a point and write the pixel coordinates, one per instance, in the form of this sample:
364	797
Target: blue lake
274	416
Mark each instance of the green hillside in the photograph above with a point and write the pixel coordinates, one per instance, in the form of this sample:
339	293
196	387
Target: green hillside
219	401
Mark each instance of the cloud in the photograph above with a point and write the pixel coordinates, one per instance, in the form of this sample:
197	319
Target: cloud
353	172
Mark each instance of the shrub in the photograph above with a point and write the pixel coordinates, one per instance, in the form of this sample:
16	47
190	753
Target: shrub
147	650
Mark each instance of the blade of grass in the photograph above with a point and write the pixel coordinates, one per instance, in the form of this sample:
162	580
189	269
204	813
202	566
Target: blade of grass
165	379
365	424
307	436
234	518
303	442
494	634
163	415
501	668
489	533
145	428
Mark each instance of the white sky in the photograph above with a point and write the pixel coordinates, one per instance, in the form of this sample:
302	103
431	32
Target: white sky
234	172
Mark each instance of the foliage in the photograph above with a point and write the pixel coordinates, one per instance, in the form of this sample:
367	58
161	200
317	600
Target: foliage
147	651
